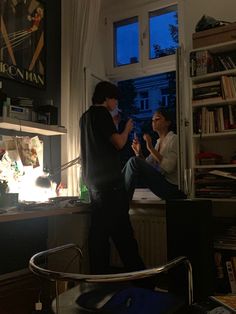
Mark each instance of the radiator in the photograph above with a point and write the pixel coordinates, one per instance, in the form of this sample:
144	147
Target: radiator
150	232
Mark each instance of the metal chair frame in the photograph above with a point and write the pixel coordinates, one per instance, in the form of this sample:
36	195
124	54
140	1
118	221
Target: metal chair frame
106	278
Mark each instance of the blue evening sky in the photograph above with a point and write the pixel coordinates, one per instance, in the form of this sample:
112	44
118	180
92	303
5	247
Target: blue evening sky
128	37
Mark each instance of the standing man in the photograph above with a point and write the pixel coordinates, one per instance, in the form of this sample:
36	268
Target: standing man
101	170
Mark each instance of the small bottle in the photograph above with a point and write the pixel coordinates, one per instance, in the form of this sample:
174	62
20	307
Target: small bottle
84	194
5	108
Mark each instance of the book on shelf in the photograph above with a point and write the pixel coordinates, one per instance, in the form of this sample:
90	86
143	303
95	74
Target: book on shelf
207	84
208	184
233	261
206	94
231	276
214	119
222	255
207	101
228	86
201	62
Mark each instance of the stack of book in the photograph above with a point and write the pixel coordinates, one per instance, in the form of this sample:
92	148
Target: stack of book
225	260
207	90
215	184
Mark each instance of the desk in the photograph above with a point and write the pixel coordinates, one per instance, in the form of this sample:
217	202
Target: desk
25	232
16	215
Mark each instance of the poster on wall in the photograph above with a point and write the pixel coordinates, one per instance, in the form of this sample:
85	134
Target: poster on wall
22	46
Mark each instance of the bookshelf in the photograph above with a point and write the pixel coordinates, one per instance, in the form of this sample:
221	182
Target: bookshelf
213	123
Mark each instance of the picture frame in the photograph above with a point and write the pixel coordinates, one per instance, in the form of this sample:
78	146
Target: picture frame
22	41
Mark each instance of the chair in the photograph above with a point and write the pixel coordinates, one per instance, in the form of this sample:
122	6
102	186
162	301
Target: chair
112	293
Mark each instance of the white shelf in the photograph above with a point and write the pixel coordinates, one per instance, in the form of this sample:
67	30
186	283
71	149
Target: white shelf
218	134
217	48
214	166
217	199
210	76
205	102
31	127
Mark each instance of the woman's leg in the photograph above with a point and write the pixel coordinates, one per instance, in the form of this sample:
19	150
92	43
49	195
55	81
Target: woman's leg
137	169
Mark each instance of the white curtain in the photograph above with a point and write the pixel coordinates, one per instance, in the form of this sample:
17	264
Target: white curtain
80	20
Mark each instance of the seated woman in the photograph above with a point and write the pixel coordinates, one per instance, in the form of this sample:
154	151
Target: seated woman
158	171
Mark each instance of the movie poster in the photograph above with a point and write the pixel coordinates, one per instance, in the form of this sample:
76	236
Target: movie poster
22	46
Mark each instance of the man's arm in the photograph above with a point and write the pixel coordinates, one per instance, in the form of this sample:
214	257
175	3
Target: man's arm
119	139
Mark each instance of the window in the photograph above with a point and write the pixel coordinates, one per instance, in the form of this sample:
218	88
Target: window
142	37
140	58
143	100
126	41
140	105
163	28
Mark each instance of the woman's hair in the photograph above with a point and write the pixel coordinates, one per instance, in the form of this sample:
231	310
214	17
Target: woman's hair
104	90
169	115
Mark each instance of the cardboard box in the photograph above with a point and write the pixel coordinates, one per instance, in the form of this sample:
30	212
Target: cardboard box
214	36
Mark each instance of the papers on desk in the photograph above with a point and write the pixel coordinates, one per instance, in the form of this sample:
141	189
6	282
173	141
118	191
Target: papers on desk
53	203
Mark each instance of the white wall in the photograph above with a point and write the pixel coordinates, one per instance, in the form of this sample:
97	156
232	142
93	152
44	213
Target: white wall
193	10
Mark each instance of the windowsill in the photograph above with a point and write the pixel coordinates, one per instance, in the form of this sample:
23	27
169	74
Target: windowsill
145	195
144	198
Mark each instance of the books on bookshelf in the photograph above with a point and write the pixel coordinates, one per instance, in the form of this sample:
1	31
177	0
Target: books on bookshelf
213	91
215	184
203	62
214	119
225	88
225	259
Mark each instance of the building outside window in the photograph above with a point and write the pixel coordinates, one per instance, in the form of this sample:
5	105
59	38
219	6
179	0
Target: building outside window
140	105
143	100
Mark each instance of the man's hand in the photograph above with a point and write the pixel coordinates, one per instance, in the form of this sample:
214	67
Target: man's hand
119	140
129	125
136	146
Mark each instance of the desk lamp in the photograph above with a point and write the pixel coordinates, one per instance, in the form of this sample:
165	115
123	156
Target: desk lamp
44	181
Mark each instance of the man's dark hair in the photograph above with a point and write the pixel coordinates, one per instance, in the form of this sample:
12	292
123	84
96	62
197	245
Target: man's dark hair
104	90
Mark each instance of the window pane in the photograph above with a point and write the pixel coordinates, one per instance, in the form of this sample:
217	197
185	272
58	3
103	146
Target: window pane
126	42
163	28
140	98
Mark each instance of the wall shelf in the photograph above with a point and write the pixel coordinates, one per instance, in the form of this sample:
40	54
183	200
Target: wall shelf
31	127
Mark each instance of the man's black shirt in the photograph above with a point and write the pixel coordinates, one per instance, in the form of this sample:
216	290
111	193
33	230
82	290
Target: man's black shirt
101	165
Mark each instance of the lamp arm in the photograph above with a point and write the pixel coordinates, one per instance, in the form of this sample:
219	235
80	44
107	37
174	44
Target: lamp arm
67	165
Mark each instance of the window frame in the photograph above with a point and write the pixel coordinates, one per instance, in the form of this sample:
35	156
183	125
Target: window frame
145	66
